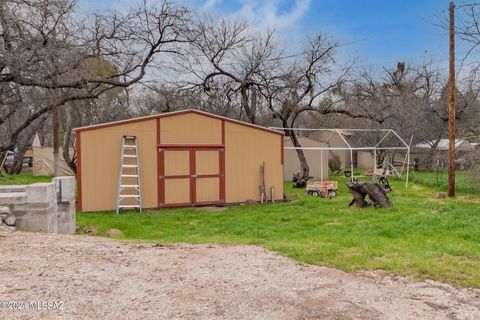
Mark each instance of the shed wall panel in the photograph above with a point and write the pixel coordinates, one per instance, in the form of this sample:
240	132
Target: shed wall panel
177	162
207	162
101	152
207	190
245	150
190	129
177	191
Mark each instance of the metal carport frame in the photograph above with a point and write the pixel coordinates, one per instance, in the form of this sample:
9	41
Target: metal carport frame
351	149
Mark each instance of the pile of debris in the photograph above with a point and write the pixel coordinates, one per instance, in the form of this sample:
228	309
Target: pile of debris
7	219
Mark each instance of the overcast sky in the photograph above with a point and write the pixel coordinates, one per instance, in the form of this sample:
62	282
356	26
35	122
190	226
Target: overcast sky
378	32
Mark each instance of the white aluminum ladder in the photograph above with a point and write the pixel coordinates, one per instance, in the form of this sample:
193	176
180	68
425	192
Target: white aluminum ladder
129	177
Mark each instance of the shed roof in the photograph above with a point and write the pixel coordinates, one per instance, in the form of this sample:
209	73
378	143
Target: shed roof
175	113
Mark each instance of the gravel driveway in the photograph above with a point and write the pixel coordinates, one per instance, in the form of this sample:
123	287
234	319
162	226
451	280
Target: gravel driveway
95	278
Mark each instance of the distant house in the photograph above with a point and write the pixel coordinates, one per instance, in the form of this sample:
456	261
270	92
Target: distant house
460	145
426	156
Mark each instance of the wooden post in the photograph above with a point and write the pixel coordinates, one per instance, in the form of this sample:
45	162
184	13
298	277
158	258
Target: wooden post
451	106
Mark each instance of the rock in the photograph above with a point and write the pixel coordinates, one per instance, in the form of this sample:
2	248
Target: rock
4	210
90	230
113	233
441	195
5	228
9	219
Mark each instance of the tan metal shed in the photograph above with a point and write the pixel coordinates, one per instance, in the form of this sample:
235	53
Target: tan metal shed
186	158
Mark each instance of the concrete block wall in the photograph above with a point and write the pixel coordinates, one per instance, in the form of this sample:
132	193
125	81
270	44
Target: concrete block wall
46	207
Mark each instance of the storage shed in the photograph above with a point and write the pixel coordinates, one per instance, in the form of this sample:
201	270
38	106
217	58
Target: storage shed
186	158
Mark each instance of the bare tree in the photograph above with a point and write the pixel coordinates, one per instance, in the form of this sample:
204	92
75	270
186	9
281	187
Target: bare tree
227	56
406	98
49	46
306	85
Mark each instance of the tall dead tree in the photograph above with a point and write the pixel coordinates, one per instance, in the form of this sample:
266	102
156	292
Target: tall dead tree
226	55
47	45
304	85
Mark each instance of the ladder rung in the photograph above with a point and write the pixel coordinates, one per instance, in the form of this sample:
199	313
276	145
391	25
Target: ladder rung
130	155
129	206
129	165
130	175
127	146
129	186
129	196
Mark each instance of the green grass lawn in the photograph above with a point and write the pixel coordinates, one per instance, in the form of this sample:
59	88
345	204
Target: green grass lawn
465	181
420	236
22	178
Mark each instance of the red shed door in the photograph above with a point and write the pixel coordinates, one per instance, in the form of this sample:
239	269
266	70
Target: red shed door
191	176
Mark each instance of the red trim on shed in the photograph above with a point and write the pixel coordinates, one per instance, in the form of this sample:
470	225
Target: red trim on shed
221	160
171	114
193	182
173	205
179	176
161	178
191	146
79	171
159	169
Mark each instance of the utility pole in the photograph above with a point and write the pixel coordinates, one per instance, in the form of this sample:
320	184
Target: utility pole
451	106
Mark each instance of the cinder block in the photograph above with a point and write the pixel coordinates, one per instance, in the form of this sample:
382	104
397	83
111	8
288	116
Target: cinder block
34	222
66	188
12	198
41	192
37	209
10	189
39	205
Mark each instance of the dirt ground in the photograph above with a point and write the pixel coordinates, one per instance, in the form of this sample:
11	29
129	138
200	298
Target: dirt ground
99	278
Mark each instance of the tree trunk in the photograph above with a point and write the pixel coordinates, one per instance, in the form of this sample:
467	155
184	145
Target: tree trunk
70	160
299	179
304	168
253	100
17	165
376	194
245	104
3	154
